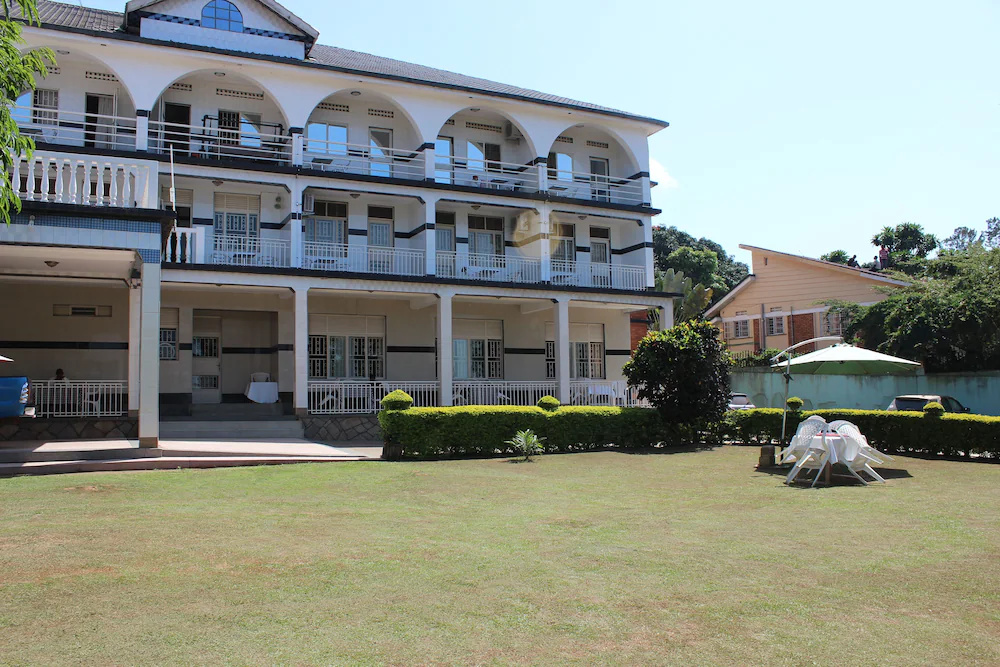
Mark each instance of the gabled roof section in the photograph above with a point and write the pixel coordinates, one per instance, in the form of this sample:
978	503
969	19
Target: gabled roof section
715	310
62	16
280	11
832	266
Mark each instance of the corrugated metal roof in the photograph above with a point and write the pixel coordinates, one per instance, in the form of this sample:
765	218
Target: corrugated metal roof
98	20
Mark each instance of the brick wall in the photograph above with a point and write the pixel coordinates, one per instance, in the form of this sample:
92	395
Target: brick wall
638	327
803	328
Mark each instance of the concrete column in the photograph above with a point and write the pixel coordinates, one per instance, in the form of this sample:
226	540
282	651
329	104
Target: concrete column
301	351
429	161
430	240
149	357
297	145
142	130
546	248
543	173
647	191
667	315
134	347
296	223
461	243
561	321
286	345
647	253
445	360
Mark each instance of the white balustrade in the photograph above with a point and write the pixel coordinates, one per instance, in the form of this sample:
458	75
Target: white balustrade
488	174
594	187
496	268
364	159
214	143
231	250
185	245
81	398
584	274
332	397
76	128
363	259
604	392
500	392
66	178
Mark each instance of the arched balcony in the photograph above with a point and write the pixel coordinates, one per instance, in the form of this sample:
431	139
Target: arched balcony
80	103
483	148
220	115
588	162
360	132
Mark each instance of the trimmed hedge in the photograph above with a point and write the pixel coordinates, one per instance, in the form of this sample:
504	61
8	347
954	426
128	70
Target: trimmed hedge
482	430
891	432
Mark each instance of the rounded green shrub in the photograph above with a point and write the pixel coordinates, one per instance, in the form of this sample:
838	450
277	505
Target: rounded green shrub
397	400
934	409
794	403
548	403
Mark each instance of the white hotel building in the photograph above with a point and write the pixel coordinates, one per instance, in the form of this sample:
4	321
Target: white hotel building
338	220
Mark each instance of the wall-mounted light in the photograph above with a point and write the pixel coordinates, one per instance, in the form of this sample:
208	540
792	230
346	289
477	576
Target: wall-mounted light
474	109
277	201
475	207
356	93
51	263
355	195
582	217
217	182
62	52
220	74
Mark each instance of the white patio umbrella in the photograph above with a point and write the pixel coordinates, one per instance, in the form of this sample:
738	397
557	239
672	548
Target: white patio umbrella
846	359
3	358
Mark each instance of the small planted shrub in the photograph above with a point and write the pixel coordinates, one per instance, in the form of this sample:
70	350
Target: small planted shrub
548	403
934	409
397	400
794	403
526	443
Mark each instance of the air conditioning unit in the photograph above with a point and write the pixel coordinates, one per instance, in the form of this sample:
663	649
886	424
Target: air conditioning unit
511	133
308	203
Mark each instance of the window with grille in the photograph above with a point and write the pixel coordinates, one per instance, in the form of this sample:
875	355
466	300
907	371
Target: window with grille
477	349
204	347
237	215
586	350
353	347
205	382
328	223
741	329
168	344
238	128
563	243
775	324
222	15
45	107
485	236
833	324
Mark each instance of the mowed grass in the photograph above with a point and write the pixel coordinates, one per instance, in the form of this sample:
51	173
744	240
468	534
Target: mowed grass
608	558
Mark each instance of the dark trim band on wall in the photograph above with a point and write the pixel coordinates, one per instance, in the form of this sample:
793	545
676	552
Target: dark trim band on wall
184	347
208	222
427	146
61	345
524	350
633	248
462	239
250	350
583	248
142	112
357	232
618	353
641	174
411	349
527	241
413	232
538	160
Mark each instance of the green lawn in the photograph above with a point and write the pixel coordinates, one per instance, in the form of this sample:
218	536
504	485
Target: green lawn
605	558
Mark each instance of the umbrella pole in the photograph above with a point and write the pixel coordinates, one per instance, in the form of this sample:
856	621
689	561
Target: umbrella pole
784	408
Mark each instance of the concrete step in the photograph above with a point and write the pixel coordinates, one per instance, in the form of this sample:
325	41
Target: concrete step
283	429
161	463
239	411
44	455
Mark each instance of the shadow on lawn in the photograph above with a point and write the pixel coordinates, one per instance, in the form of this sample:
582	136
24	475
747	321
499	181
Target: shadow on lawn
840	474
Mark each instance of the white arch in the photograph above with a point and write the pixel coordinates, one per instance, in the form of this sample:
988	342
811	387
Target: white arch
238	75
377	95
500	110
624	145
89	56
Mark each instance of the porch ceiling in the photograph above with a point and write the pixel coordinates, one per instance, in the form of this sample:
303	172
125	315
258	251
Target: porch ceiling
65	262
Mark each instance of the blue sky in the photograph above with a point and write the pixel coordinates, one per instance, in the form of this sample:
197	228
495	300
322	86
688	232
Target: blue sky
795	125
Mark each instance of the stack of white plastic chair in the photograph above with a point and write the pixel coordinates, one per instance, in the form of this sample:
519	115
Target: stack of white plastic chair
803	438
858	455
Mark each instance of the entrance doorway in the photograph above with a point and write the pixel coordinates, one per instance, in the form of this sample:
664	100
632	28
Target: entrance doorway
206	360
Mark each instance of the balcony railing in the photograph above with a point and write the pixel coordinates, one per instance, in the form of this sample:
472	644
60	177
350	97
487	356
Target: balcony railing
85	398
363	259
487	174
581	274
333	397
363	159
208	141
75	128
479	266
500	392
79	179
594	187
604	392
185	245
250	251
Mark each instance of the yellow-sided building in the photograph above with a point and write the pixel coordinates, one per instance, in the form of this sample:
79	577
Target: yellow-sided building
786	292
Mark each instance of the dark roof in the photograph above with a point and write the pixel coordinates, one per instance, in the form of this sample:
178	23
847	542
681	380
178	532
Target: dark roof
75	17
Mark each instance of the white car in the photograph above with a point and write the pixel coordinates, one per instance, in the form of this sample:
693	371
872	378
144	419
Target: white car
740	402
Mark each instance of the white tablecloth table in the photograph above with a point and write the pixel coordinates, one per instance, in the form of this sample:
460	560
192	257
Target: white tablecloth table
262	392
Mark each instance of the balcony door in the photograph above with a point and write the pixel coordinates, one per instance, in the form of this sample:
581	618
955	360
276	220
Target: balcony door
380	239
380	151
206	360
600	256
600	171
100	125
177	122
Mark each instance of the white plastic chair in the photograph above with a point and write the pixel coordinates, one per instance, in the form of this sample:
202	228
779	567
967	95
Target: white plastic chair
852	432
803	438
814	458
260	377
856	460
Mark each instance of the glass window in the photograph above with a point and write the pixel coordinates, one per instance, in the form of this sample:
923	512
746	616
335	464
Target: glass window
343	357
586	360
222	15
45	107
482	156
444	150
563	243
560	167
485	235
477	358
21	113
326	139
833	324
775	324
168	344
741	329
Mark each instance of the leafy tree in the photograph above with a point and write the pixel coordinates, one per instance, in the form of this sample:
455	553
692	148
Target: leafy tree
17	72
701	266
683	372
961	239
907	238
695	300
991	237
727	274
837	257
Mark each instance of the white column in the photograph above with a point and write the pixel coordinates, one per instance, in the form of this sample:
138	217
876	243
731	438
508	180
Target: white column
444	322
667	315
429	161
543	174
430	240
647	253
301	351
647	191
297	146
141	130
546	247
134	346
561	322
295	223
149	357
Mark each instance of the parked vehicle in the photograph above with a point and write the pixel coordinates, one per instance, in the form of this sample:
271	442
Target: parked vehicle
916	403
740	402
15	396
